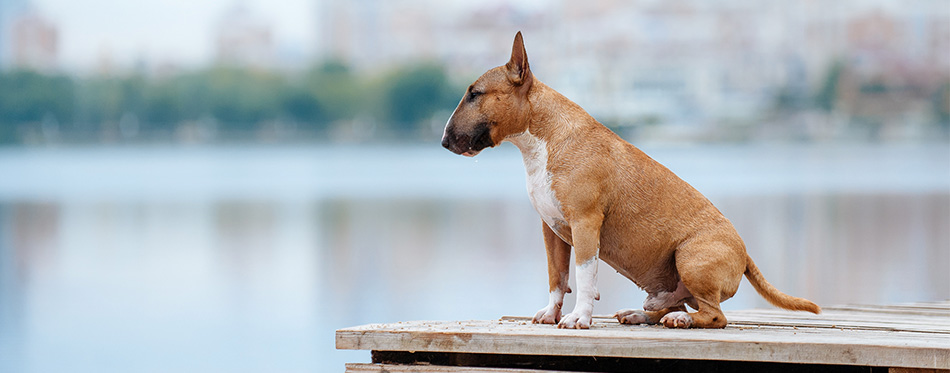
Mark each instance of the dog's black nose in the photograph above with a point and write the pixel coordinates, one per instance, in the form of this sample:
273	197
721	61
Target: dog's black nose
445	142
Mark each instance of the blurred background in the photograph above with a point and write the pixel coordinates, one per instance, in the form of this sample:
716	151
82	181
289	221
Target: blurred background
218	185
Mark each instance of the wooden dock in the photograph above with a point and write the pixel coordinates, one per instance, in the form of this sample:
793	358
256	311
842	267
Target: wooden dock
894	338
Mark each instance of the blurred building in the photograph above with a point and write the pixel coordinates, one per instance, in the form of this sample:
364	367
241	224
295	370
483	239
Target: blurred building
686	61
9	9
372	33
244	39
34	42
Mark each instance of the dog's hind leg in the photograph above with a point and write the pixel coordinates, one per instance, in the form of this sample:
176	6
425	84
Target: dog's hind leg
711	271
559	266
634	317
665	299
657	305
708	316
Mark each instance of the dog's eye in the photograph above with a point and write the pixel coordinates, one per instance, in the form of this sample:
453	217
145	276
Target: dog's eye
473	94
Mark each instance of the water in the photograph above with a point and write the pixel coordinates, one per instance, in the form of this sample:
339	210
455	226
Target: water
248	258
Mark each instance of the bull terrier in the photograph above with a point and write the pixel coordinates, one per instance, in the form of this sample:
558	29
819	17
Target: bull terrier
608	200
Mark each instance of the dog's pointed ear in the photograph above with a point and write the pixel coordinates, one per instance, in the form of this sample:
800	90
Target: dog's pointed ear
518	71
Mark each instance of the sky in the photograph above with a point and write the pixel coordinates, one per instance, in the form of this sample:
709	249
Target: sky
176	32
181	32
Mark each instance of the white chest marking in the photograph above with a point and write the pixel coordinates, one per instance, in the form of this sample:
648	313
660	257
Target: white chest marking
535	154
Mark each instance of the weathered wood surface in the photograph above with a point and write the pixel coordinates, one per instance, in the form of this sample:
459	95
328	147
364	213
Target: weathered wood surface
912	336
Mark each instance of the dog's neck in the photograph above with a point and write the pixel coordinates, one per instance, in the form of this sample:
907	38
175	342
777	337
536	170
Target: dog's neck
552	119
532	148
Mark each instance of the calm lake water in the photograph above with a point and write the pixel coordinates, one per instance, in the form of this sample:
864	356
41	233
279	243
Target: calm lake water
246	259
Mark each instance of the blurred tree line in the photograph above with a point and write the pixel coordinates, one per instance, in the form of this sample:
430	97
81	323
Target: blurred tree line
872	103
330	101
224	103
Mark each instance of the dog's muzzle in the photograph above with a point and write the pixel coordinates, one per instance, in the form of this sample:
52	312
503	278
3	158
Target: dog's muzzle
468	144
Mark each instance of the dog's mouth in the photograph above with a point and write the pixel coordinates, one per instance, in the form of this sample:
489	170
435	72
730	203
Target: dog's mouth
468	145
482	138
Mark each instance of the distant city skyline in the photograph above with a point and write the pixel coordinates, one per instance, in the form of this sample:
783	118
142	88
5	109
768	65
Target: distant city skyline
184	33
188	34
691	65
158	32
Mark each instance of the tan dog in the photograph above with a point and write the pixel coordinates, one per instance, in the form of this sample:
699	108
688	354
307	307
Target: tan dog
609	200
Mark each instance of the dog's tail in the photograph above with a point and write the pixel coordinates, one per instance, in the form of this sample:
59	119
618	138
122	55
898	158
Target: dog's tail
773	295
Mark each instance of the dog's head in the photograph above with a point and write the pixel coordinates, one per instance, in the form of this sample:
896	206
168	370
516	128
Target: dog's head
494	107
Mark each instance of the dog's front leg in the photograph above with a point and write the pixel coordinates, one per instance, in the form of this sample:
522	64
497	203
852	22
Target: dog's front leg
586	237
559	266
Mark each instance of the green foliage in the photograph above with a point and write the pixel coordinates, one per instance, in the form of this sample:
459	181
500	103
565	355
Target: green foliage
827	96
301	105
160	104
106	99
243	98
941	105
337	91
411	95
28	98
240	101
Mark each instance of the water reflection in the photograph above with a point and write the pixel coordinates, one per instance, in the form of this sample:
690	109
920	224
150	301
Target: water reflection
249	283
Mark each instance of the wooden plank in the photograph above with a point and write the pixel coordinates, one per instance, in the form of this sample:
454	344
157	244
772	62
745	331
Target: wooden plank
939	305
910	336
826	319
861	314
841	325
831	320
803	345
936	304
382	368
847	320
923	309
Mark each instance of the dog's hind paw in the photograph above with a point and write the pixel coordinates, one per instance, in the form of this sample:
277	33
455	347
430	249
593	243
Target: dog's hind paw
678	319
632	317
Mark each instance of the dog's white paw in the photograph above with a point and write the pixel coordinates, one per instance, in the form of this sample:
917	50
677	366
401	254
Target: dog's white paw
678	319
547	315
631	316
575	320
